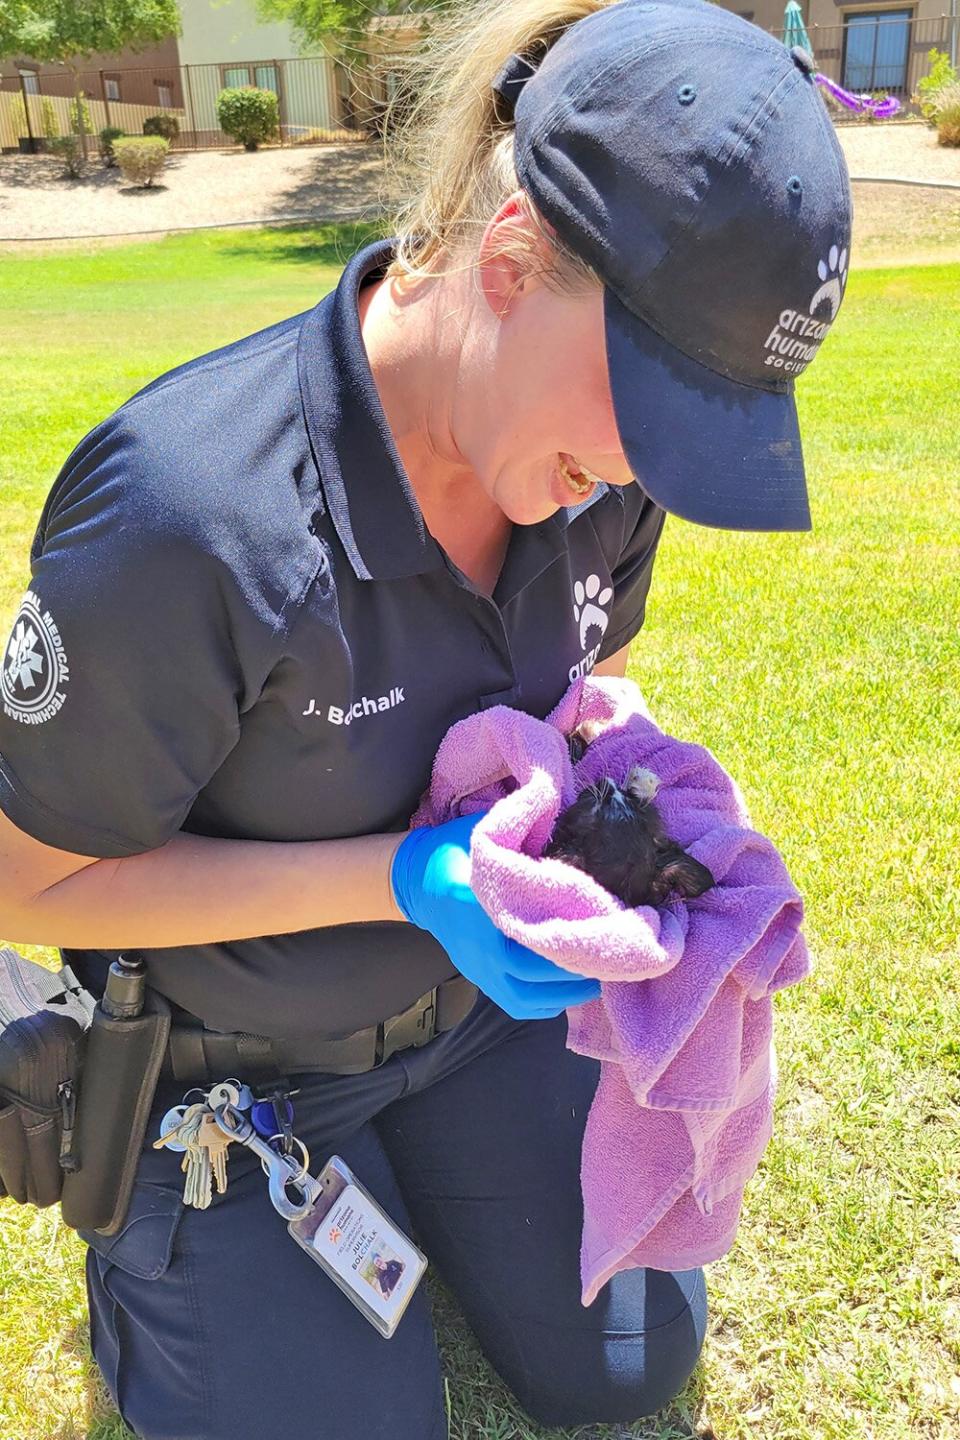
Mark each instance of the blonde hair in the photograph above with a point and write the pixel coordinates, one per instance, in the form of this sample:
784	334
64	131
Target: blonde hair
449	150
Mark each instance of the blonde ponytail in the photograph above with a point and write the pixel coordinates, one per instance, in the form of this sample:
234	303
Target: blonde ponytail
450	153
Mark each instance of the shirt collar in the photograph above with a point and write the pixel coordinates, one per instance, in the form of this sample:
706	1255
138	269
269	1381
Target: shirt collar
365	487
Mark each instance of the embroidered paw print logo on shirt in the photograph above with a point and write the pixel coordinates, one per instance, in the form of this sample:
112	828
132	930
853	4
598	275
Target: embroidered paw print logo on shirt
588	599
833	273
33	667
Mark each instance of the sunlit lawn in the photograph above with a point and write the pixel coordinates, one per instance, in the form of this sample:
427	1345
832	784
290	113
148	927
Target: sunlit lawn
823	671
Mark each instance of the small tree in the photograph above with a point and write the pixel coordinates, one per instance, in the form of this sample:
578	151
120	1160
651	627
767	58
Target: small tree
66	33
80	122
48	119
248	115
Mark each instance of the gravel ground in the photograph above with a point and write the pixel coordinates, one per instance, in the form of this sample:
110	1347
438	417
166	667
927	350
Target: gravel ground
204	187
346	181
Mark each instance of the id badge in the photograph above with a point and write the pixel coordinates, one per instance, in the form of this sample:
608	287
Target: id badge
349	1236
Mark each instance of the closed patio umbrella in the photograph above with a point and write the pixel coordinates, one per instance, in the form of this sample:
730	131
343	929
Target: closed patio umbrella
794	30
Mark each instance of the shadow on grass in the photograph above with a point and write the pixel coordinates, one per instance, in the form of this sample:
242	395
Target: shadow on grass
305	244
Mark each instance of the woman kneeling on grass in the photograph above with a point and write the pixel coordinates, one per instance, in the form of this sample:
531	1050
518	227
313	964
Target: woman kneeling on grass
282	571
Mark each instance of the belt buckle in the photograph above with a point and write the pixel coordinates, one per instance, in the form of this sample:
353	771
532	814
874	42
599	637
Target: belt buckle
414	1027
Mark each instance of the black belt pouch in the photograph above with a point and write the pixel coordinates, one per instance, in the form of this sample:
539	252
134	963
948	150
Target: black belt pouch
120	1071
43	1023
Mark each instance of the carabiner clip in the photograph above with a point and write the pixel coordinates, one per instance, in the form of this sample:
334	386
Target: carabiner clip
283	1170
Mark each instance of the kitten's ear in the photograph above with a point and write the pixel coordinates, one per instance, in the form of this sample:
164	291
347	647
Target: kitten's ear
577	745
641	784
679	871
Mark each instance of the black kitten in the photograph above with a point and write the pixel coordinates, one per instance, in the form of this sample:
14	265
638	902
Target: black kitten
616	835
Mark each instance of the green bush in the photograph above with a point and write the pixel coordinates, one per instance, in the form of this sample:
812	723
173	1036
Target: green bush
168	126
941	74
78	112
68	148
948	115
141	157
48	119
248	115
107	137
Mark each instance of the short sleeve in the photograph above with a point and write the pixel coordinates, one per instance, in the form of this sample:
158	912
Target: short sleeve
633	570
124	672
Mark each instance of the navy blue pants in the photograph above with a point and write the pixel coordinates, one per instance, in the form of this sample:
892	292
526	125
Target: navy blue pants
209	1324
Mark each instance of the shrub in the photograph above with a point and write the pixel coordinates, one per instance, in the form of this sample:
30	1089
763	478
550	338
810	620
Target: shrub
948	115
941	74
68	148
248	115
141	157
168	126
78	112
107	137
48	119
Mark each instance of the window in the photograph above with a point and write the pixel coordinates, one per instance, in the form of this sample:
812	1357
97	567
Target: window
164	97
31	81
876	46
111	87
263	76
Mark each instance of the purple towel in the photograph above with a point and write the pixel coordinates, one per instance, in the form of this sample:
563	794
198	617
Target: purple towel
683	1026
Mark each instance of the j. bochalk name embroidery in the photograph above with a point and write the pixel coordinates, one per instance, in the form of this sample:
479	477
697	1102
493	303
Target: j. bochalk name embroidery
366	705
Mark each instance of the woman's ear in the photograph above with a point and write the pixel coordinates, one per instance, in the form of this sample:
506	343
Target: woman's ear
501	272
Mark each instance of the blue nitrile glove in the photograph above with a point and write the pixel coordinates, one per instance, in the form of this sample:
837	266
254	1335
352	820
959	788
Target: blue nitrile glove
430	881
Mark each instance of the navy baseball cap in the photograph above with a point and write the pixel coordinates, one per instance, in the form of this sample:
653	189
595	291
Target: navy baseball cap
689	158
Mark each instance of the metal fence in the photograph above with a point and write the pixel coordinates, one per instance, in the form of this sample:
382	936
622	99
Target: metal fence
323	98
318	98
878	52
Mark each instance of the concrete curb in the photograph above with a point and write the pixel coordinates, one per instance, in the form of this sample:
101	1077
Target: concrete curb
309	219
902	180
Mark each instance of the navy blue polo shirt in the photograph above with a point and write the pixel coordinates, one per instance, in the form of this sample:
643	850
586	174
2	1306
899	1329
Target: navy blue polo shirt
239	625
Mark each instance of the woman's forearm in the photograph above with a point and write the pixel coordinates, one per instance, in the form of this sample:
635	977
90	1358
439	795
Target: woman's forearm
197	890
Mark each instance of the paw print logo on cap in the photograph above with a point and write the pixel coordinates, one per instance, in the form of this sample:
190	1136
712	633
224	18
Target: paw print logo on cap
833	273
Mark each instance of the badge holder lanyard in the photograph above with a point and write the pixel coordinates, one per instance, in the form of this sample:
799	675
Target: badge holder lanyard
334	1218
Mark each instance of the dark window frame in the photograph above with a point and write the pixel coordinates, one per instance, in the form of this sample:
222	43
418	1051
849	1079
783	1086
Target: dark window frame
906	15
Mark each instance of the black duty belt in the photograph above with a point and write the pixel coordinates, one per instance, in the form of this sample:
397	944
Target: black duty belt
195	1054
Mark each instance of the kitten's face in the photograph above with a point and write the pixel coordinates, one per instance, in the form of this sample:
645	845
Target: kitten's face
615	834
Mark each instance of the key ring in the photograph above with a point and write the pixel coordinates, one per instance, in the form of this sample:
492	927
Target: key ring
294	1179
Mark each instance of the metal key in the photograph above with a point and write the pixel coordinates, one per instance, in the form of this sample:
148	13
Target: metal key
216	1144
171	1126
196	1161
198	1190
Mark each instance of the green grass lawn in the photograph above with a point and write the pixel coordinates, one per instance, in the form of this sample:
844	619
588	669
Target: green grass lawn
822	670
